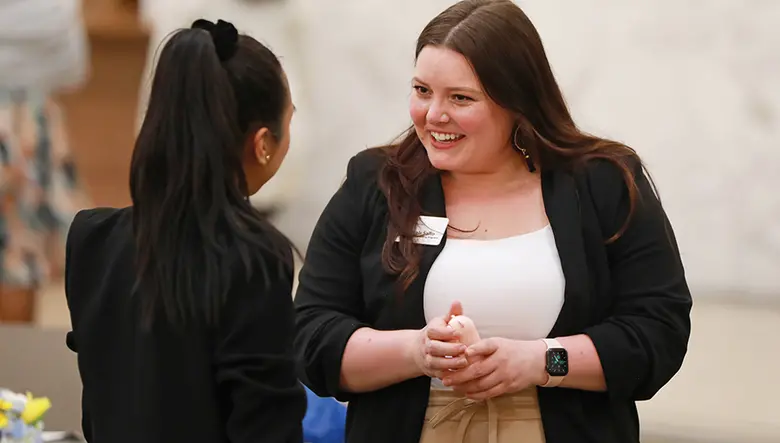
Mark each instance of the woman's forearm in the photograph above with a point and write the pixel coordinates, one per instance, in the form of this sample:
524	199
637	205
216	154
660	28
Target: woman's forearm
585	371
376	359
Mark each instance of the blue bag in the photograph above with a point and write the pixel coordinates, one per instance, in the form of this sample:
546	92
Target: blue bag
325	419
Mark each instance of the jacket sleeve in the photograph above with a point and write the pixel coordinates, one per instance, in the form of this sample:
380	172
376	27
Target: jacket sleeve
254	361
643	341
329	302
72	247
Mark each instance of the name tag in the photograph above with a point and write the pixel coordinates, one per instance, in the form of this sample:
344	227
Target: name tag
429	230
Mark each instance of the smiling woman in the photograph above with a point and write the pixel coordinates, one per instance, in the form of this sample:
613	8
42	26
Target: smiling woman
552	242
450	110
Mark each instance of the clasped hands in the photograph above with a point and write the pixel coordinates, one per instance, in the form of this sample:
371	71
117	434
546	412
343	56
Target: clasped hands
486	369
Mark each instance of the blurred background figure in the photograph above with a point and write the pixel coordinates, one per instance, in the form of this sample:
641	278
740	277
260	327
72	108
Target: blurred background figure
43	50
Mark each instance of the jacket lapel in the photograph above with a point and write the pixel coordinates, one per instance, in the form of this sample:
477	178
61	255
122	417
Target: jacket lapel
561	201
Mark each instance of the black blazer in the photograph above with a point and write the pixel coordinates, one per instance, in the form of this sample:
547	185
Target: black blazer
630	297
232	383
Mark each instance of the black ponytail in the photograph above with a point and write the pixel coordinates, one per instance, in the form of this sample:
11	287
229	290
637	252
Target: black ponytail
195	230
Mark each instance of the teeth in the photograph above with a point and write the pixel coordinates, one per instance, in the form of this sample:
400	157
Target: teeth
439	136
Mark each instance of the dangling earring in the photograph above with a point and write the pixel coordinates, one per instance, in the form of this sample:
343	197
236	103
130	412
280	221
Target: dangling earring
523	151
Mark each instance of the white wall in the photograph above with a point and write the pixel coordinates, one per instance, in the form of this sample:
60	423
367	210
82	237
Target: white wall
693	86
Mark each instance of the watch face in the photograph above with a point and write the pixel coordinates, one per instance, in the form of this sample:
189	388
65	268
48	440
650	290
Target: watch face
557	362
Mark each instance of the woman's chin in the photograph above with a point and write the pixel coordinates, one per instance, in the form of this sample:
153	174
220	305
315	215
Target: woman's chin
442	160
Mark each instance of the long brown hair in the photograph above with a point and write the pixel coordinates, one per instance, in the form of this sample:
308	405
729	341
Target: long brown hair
509	59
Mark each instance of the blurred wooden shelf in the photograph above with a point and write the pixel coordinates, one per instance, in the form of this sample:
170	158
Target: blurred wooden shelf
113	19
101	116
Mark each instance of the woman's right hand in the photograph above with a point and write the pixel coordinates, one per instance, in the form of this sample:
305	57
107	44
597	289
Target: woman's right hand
437	348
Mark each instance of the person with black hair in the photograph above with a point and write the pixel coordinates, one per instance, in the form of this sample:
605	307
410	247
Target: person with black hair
181	305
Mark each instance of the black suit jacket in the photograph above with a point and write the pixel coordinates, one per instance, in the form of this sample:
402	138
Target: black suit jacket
233	383
630	297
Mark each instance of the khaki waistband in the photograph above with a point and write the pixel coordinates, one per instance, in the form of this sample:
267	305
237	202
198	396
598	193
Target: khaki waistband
447	405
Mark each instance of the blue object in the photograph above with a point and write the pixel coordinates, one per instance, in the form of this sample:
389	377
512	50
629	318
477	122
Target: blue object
325	419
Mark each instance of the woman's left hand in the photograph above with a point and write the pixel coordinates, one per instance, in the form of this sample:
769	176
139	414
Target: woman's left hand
499	366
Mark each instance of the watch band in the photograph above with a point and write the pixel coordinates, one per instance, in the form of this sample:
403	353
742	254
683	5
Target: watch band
552	381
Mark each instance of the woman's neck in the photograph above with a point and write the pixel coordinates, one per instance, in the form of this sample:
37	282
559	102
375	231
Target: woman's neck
507	177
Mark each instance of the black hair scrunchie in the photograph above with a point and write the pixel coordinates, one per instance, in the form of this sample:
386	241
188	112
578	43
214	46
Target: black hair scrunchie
223	33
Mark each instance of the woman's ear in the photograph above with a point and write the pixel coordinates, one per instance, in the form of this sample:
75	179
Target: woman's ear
261	145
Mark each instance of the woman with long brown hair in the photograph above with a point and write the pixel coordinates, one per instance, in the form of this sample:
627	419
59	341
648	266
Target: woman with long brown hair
493	205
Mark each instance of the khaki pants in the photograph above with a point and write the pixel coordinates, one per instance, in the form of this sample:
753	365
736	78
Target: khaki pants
513	418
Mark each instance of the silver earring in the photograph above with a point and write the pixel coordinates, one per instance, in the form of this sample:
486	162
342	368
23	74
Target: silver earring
523	151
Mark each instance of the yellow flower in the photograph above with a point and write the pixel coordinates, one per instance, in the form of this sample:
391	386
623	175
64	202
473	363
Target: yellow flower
3	420
34	409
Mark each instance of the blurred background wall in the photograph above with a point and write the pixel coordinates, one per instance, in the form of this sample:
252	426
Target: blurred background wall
693	86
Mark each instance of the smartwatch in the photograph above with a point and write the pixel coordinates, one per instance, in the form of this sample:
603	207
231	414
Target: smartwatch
557	363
